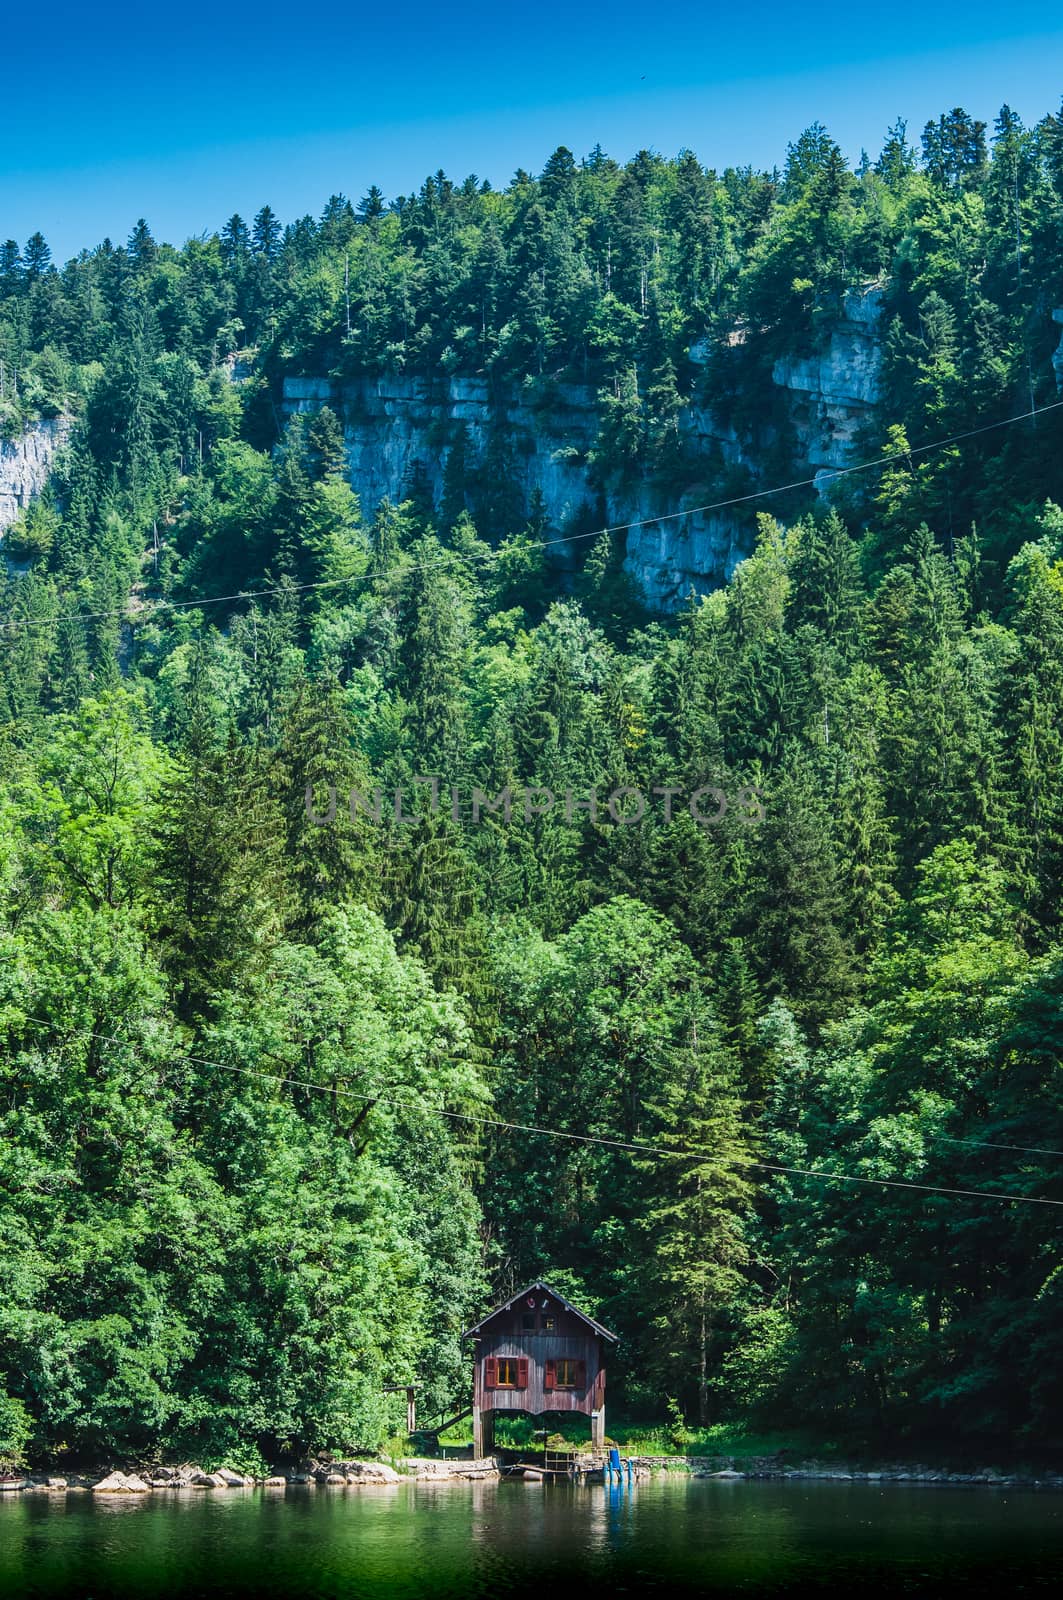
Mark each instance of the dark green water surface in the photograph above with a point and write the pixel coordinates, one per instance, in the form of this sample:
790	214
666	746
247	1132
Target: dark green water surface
668	1536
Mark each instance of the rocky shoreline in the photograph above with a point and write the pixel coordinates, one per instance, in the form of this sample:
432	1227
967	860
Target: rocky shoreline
356	1473
361	1472
771	1467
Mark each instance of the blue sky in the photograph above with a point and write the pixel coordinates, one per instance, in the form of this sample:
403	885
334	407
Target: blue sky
185	114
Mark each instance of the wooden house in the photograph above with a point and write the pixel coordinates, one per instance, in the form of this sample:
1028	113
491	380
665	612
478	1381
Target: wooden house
538	1354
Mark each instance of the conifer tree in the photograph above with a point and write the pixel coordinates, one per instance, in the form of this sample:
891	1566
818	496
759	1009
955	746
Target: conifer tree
434	626
691	1227
329	847
213	872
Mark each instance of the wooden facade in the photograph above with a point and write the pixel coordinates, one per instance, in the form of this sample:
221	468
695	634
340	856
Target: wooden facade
538	1354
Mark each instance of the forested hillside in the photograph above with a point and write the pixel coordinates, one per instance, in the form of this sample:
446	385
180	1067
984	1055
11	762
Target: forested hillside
774	1089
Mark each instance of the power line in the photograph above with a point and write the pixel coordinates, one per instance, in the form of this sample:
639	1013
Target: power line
992	1144
532	544
586	1138
949	1138
523	1078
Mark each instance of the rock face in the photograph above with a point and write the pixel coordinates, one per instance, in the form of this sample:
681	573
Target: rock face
833	392
25	463
399	426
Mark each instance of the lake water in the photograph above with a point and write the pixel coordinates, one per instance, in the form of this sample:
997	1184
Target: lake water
670	1535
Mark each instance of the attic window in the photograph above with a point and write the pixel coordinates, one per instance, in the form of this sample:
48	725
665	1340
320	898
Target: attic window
527	1322
548	1324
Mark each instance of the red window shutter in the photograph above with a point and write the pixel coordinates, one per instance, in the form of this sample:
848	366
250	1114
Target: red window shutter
491	1373
550	1381
522	1372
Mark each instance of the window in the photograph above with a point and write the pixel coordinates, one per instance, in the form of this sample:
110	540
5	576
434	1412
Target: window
563	1373
506	1372
527	1322
548	1324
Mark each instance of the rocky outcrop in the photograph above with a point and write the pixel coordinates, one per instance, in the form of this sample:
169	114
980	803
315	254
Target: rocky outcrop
833	392
399	427
121	1483
25	463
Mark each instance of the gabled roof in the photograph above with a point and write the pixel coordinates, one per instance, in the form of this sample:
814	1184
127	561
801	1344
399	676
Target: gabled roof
529	1288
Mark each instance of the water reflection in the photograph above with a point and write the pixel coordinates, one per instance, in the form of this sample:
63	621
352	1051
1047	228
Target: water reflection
502	1539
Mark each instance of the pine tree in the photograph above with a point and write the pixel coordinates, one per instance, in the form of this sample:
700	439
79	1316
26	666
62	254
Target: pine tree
141	247
266	235
36	257
236	243
212	871
1034	712
691	1226
434	625
12	269
433	903
456	471
826	588
329	845
793	915
371	205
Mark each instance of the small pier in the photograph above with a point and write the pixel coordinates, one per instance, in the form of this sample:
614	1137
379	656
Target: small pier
575	1465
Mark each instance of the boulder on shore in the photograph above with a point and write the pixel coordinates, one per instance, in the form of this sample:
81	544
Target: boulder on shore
369	1472
121	1483
431	1467
356	1472
172	1477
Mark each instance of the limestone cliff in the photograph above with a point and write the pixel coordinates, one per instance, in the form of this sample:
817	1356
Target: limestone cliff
399	425
25	463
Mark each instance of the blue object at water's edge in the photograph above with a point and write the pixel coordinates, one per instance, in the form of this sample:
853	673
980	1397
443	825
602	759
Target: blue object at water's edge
502	1539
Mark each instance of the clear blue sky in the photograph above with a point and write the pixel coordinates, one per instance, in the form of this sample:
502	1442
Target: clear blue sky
186	113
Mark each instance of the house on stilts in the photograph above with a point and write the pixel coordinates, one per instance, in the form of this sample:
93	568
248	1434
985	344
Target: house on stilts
537	1353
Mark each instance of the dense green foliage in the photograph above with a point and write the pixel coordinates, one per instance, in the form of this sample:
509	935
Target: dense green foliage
273	1089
